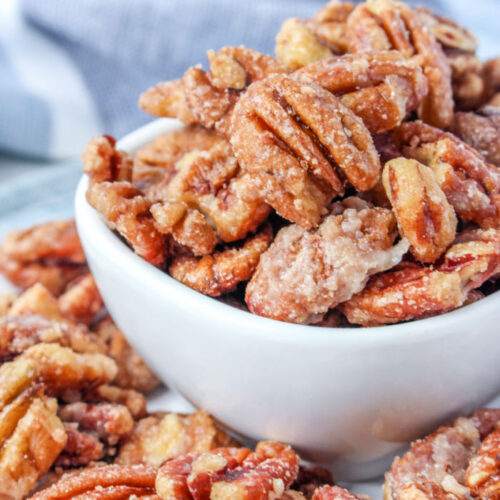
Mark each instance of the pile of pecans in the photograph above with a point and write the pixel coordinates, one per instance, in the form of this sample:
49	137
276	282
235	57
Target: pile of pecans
352	180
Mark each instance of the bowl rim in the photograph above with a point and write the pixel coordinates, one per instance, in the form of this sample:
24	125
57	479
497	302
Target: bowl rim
118	251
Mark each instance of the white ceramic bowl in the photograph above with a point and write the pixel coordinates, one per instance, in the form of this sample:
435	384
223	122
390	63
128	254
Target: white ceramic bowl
345	398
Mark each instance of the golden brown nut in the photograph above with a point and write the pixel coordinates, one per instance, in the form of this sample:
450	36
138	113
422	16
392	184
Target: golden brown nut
380	87
126	209
471	185
48	253
100	483
297	45
31	435
133	373
230	473
156	439
61	369
481	131
436	467
387	24
410	291
221	272
291	136
483	472
210	97
19	332
424	216
305	273
448	33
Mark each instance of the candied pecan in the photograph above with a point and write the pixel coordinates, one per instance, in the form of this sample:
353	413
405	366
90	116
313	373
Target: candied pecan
230	473
133	373
297	45
61	369
156	439
48	253
127	210
333	493
380	87
290	136
410	291
305	273
99	483
31	435
311	478
483	473
480	130
102	162
471	185
19	332
82	301
448	33
441	465
210	96
424	216
37	300
221	272
386	24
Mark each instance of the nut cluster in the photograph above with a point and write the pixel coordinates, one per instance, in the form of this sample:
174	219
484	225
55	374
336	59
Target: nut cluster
333	185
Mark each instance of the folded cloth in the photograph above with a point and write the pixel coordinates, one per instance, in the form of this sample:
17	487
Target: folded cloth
73	68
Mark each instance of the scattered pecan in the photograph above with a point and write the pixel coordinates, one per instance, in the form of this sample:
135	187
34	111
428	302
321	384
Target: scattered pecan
481	130
424	216
133	373
99	483
81	302
126	209
158	438
230	473
471	185
305	273
380	87
221	272
410	291
48	253
291	136
210	97
386	24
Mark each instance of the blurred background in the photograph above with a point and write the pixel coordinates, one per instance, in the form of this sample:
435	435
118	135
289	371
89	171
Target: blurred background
71	69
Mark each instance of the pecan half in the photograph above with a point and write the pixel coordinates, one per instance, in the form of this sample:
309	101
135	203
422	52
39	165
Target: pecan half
410	291
291	136
127	210
48	253
100	483
386	24
210	97
380	87
156	439
221	272
305	273
471	185
424	216
230	473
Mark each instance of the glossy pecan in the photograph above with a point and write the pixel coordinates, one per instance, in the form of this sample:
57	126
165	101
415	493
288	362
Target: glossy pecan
380	87
221	272
230	473
48	253
424	216
100	483
386	24
471	184
210	96
410	291
294	138
305	273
